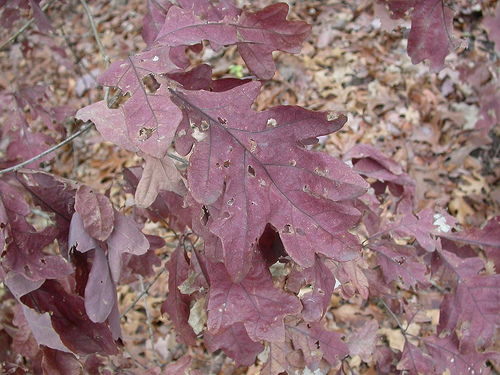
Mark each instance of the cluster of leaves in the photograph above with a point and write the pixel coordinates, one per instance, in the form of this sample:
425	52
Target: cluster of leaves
266	223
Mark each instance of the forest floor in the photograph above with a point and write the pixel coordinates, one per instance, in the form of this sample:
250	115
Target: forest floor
423	121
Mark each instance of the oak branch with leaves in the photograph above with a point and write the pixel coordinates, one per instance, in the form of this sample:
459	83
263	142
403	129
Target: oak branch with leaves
270	232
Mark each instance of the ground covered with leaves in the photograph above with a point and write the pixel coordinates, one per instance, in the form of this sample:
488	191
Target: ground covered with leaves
354	62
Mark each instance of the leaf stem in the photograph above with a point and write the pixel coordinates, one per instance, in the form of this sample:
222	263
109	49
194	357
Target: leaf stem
23	29
86	126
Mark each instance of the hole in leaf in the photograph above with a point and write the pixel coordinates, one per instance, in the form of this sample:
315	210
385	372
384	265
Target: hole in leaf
251	171
293	163
43	261
322	173
331	116
145	133
27	271
230	148
253	146
204	125
226	164
271	122
287	229
151	85
230	202
205	215
223	121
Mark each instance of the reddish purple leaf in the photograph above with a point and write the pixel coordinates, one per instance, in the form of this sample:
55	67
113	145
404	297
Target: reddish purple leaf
414	361
110	123
370	162
276	362
177	305
255	302
200	78
352	276
24	341
419	227
399	263
146	122
114	321
127	74
490	107
493	26
316	342
257	35
41	20
181	366
472	306
96	212
78	236
236	344
67	313
263	175
158	175
141	264
209	11
54	194
59	363
25	144
23	246
448	356
487	237
43	330
431	34
320	277
154	18
100	293
363	341
125	238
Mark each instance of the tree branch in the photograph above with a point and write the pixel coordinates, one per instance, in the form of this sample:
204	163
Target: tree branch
23	29
86	126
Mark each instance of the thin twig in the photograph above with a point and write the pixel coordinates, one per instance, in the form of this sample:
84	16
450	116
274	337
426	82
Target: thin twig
148	319
22	29
180	160
142	293
393	316
105	57
84	128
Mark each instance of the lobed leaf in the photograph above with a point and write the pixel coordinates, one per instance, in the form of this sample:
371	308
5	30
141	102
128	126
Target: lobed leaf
445	351
22	245
431	34
316	343
400	263
472	306
125	238
158	175
236	344
254	301
258	172
177	305
67	314
322	282
257	34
